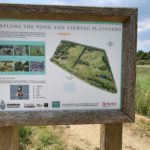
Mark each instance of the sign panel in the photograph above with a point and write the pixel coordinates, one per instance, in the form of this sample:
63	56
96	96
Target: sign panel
60	65
67	64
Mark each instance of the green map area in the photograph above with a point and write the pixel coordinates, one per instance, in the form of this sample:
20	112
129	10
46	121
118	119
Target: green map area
88	63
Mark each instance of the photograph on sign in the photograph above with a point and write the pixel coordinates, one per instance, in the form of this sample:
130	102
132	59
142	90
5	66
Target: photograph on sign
60	65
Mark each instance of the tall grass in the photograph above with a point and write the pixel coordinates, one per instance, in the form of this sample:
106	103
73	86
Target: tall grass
143	90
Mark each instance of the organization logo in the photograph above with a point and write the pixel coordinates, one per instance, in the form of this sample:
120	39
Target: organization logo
29	105
55	104
45	104
13	105
39	105
2	105
109	104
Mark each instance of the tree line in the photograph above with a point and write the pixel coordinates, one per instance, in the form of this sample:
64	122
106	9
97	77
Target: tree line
143	58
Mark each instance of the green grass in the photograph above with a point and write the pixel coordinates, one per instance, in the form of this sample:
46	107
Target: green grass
24	133
41	138
143	90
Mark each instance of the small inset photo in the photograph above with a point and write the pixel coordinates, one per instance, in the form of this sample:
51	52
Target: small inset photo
19	92
21	50
37	66
6	50
37	50
6	66
21	66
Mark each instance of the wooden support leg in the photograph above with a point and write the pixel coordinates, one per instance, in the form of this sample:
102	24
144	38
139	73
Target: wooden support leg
111	137
9	138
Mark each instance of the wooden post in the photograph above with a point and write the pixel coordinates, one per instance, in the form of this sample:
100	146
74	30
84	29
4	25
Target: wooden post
111	137
9	138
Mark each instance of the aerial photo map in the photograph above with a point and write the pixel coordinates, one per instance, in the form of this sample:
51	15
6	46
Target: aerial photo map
87	63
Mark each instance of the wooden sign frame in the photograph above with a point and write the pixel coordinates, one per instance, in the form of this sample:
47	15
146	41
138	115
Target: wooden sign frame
128	16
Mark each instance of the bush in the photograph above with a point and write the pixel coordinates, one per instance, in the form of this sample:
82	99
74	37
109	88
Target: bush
24	134
143	62
48	138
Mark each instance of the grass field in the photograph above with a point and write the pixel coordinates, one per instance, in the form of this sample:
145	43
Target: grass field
143	90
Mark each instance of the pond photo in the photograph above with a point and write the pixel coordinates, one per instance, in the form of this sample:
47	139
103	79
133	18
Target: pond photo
21	50
6	66
36	50
21	66
6	50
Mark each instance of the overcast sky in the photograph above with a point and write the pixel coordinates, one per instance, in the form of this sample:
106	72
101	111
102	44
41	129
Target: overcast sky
142	5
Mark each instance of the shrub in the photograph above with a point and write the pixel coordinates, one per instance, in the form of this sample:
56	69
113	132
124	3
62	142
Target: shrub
24	133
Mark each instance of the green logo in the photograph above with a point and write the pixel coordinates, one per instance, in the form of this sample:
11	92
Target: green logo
56	104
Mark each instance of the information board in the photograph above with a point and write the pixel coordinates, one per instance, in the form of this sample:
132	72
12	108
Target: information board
50	65
67	64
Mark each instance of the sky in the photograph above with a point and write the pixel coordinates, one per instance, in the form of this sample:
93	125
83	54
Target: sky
143	6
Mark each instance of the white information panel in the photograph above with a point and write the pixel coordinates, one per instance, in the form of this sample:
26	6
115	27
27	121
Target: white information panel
60	65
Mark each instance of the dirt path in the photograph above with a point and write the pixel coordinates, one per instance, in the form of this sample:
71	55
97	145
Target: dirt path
137	136
86	137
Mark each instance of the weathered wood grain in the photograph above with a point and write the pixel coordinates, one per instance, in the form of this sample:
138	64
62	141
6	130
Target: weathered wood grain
62	117
9	138
129	65
128	16
111	137
46	12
